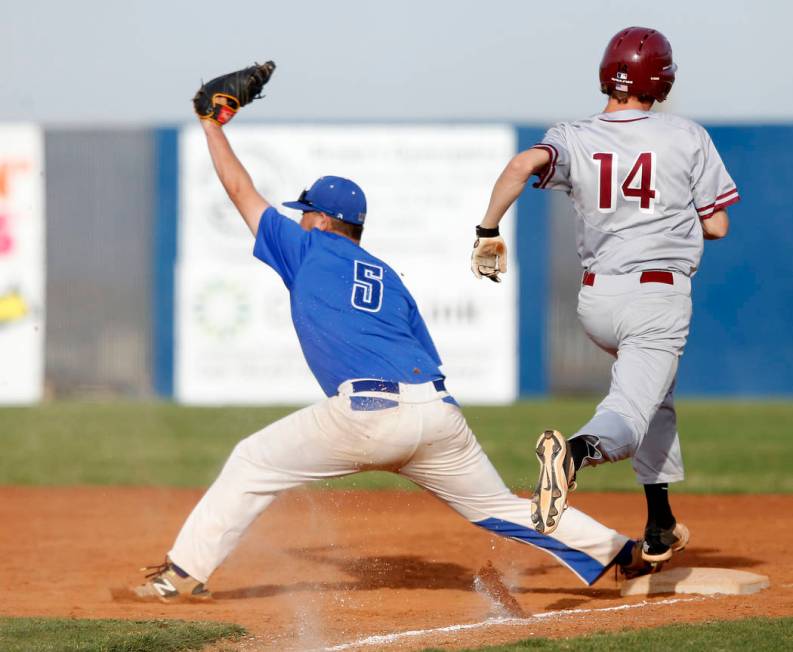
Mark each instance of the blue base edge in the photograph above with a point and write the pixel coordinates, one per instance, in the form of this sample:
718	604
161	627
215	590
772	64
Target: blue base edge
586	568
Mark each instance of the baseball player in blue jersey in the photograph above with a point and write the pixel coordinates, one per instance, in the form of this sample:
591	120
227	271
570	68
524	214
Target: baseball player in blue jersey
647	189
387	406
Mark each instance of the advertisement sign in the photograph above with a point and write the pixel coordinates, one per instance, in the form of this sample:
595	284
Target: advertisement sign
235	341
22	243
426	186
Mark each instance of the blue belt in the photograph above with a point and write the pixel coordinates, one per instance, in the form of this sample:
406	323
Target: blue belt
387	386
369	403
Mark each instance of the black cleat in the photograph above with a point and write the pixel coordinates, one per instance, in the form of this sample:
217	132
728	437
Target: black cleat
660	543
638	566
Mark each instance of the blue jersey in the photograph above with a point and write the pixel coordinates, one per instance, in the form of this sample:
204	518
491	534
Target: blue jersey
353	316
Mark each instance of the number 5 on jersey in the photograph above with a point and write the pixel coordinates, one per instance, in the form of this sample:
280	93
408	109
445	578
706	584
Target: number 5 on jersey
367	287
638	186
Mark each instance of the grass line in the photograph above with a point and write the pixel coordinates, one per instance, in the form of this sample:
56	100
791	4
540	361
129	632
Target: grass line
756	634
73	635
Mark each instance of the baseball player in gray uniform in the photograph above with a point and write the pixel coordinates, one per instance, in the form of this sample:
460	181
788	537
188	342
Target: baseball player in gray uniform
647	188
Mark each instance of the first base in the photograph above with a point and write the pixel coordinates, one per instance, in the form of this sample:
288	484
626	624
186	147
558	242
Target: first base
704	581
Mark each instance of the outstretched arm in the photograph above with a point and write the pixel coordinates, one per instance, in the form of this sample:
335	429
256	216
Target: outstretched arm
489	257
234	177
511	183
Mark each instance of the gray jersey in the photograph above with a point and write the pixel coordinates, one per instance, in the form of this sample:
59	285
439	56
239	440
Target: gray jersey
640	182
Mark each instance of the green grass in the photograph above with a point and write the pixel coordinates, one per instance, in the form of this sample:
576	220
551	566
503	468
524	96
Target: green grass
729	446
71	635
756	634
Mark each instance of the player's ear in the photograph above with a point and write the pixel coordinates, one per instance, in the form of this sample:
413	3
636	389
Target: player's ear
325	222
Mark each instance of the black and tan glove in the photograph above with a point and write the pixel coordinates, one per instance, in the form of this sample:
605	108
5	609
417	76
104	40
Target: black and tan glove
220	99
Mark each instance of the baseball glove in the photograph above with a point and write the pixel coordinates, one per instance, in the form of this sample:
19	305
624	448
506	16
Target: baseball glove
220	99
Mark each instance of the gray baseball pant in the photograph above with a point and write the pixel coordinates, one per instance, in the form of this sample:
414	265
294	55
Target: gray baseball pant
645	326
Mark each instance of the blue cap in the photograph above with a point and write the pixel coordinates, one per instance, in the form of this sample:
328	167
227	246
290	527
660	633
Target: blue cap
336	196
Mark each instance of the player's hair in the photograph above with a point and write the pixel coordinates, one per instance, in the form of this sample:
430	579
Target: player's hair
622	97
352	231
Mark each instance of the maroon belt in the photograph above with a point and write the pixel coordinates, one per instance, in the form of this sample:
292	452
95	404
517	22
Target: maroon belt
653	276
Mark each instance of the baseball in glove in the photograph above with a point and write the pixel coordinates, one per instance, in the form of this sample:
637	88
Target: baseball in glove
220	99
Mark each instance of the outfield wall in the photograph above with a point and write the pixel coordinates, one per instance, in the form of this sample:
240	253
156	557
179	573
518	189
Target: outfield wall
147	265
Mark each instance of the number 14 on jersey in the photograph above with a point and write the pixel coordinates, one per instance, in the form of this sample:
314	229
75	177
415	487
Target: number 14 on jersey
638	185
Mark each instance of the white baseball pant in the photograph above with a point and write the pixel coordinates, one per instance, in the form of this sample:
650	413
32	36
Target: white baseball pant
645	326
419	433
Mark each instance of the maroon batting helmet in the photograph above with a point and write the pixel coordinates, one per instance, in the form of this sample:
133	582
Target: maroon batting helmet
638	61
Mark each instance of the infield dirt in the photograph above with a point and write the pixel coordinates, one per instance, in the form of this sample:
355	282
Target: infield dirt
323	568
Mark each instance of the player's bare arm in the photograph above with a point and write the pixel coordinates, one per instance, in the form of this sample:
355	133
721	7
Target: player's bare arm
217	102
511	183
489	257
234	177
716	226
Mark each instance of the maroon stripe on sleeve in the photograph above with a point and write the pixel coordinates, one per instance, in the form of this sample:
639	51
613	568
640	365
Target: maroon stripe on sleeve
551	168
729	202
721	196
729	192
721	207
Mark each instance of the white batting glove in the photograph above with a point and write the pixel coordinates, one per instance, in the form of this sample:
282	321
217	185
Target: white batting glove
489	257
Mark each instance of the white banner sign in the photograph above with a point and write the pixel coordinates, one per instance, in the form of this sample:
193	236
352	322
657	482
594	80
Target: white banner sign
21	264
426	187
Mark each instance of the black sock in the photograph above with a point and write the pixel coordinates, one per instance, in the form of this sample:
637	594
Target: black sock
579	450
659	513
